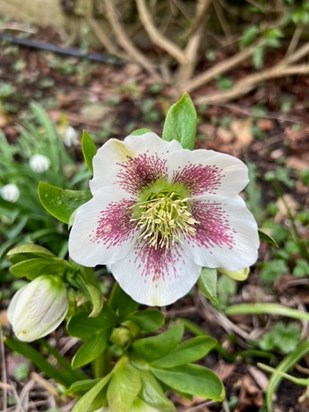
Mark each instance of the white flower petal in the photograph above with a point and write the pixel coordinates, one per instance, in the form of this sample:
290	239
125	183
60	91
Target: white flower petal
102	232
226	235
131	164
208	172
156	277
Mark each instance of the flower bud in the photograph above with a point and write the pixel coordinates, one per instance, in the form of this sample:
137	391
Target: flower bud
38	308
10	193
39	163
240	274
70	136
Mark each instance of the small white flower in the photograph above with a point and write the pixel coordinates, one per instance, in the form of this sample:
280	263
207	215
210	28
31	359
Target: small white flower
160	213
10	193
38	308
70	136
39	163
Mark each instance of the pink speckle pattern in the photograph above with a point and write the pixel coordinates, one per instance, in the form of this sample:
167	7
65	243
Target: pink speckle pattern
114	226
199	178
140	171
213	228
157	263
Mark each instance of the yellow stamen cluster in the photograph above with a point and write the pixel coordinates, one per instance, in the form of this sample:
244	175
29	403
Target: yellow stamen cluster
163	218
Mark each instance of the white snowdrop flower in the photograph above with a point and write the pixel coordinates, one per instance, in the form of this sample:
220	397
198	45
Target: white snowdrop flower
70	136
38	308
160	213
10	192
39	163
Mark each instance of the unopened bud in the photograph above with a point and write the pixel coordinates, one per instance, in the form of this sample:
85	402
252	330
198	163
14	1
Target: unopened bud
39	163
10	193
38	308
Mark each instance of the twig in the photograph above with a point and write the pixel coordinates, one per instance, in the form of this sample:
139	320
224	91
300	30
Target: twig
187	67
155	36
125	42
219	68
3	371
222	320
247	84
199	17
295	39
102	37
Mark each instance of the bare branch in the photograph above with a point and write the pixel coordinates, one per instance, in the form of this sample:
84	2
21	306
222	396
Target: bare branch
186	70
156	37
102	37
124	41
247	84
297	55
219	68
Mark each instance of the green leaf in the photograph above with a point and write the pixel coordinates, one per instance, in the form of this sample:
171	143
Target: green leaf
207	284
148	320
122	303
284	337
156	347
85	403
124	386
26	250
258	57
140	132
180	123
61	203
32	268
186	352
265	237
88	149
287	363
93	293
153	394
90	349
268	309
83	327
193	380
140	406
82	386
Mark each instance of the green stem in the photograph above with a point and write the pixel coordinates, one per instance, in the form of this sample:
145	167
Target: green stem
101	366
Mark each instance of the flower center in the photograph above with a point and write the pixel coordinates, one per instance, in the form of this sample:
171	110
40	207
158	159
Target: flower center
162	217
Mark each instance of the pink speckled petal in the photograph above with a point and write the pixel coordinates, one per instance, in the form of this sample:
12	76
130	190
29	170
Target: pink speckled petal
131	164
208	172
156	277
102	232
226	235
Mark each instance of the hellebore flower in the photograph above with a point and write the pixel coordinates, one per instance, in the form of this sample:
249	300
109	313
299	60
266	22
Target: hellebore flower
38	308
39	163
159	213
10	192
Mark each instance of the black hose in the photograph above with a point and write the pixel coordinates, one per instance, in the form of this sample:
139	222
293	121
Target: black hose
65	51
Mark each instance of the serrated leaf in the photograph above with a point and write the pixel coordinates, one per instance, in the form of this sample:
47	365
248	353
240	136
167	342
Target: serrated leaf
124	386
156	347
180	123
187	351
85	403
61	203
193	380
90	349
148	320
207	284
88	149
